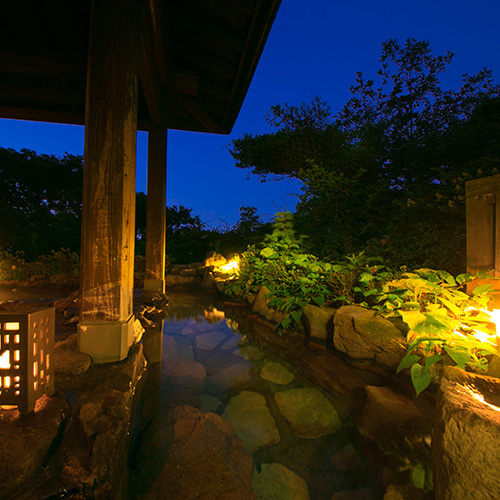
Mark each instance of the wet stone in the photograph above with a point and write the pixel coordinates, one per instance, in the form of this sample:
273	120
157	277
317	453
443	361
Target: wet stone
250	353
275	481
187	331
347	459
308	412
234	342
209	403
209	340
277	373
251	419
232	376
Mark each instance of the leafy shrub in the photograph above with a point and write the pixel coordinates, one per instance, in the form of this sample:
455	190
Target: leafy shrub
15	267
294	278
444	321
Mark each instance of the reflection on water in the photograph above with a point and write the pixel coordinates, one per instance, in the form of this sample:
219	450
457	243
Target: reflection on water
209	361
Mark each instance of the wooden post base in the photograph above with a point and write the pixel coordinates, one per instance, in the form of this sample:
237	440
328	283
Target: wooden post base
106	341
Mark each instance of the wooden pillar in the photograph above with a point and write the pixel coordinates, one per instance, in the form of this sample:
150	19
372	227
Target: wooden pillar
482	198
154	278
108	218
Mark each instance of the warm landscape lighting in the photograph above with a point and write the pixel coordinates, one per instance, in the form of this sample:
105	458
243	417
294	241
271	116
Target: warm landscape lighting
231	266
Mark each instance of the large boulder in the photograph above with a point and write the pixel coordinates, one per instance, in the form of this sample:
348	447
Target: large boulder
277	481
466	437
308	412
318	321
214	259
360	334
389	415
205	460
25	440
94	441
250	417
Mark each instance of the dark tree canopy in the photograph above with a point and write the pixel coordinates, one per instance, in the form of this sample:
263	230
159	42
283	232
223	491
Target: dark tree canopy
40	201
387	172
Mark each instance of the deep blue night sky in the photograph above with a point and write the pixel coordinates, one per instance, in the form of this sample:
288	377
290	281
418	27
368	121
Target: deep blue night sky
315	48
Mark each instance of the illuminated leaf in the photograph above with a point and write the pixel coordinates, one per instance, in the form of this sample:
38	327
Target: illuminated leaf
267	252
420	377
431	360
460	356
407	361
296	315
481	289
418	476
320	300
413	318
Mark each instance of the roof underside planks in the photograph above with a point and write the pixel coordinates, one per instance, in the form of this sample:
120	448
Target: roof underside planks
197	59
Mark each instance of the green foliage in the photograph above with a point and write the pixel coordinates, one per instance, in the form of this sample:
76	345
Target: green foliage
443	321
386	174
40	197
358	279
15	267
293	277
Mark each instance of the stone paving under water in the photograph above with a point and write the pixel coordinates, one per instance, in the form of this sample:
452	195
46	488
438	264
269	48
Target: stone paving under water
302	440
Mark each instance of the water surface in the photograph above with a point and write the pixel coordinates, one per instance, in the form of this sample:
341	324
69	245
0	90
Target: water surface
199	330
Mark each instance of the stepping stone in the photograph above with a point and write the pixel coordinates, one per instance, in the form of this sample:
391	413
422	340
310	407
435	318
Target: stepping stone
209	403
251	419
275	481
209	340
249	352
232	376
308	412
277	373
232	343
347	459
185	373
187	331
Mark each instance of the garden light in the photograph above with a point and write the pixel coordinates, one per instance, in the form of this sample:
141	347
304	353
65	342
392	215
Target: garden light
26	357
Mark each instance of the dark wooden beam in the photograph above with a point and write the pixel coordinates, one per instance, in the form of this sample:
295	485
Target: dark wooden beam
222	9
203	59
41	115
162	52
42	64
44	95
254	44
202	117
148	71
184	82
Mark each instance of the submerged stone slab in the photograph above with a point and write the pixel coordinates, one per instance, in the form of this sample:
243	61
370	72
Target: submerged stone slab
249	352
347	459
251	419
232	376
275	481
277	373
466	437
233	343
308	412
205	460
185	373
210	340
209	403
